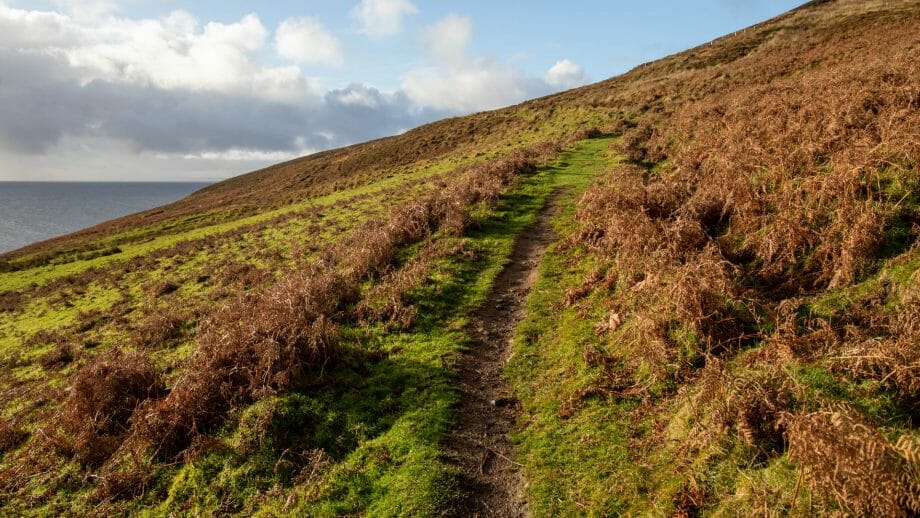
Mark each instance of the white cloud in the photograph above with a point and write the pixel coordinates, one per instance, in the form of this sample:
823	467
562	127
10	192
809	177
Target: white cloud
36	30
381	18
478	85
305	40
449	38
247	34
460	83
104	159
246	155
172	52
565	74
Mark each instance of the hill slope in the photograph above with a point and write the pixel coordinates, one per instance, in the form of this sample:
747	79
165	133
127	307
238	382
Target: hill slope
725	323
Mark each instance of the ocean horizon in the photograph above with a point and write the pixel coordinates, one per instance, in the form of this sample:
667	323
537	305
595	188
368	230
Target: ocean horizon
36	211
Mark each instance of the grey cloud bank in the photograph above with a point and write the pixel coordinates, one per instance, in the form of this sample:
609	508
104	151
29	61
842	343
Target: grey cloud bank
39	105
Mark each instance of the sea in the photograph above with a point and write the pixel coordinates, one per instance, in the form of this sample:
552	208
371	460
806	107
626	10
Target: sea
35	211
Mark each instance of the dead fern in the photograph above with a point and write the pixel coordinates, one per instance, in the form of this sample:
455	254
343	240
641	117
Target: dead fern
849	462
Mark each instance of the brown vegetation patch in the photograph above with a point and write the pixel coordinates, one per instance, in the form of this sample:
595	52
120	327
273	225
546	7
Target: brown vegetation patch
62	354
753	404
11	301
159	327
163	288
848	461
256	346
97	412
11	435
773	177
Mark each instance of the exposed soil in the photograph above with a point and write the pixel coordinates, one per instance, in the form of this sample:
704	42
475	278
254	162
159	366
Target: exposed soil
480	444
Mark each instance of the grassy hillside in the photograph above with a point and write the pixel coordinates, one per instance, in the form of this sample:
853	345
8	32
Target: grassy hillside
728	323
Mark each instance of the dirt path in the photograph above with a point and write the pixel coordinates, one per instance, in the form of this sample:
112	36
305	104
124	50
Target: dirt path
494	482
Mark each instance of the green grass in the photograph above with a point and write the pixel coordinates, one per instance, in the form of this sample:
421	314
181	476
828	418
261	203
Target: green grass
569	462
379	415
162	238
55	312
389	415
41	315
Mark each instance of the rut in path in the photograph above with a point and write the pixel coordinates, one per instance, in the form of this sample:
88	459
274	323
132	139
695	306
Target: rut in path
479	443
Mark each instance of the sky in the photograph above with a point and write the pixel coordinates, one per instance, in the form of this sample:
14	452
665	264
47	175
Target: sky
172	90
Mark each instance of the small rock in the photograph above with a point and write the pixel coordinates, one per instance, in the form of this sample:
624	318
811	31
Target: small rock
503	402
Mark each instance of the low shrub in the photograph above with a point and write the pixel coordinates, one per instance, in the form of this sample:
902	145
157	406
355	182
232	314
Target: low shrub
11	301
257	346
162	288
96	414
847	461
11	435
158	327
61	354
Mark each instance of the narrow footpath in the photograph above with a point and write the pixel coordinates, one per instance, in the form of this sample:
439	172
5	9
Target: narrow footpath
488	411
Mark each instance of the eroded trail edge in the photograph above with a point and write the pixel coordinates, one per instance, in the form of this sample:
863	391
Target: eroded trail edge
479	443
